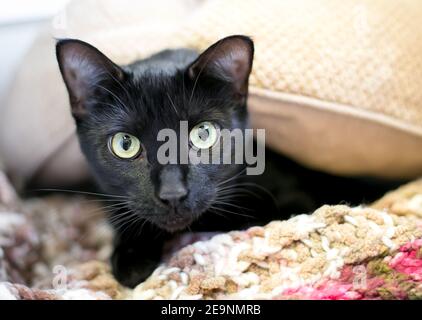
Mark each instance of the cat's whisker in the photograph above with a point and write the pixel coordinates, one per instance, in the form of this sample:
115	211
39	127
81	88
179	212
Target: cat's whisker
103	212
173	105
105	104
100	212
100	200
183	88
158	234
118	202
231	178
189	228
119	216
235	189
231	212
121	85
142	226
252	185
106	210
237	213
132	229
82	193
247	184
238	192
124	222
113	95
232	187
128	225
101	215
225	203
212	210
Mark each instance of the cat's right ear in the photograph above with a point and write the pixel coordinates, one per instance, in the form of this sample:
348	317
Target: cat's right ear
84	69
228	61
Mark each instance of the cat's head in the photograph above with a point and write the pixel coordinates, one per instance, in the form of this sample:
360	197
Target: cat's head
120	110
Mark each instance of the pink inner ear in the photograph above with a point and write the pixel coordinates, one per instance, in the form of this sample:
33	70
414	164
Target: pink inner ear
229	59
83	67
76	76
238	66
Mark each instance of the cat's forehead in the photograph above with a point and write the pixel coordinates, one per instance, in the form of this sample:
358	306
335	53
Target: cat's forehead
164	94
156	102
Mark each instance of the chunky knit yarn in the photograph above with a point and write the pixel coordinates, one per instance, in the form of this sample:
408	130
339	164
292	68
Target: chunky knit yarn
55	248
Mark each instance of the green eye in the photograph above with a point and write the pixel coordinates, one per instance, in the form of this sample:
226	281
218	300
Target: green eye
125	146
204	135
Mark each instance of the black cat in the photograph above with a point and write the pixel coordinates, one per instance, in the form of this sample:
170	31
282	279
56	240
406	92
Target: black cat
119	111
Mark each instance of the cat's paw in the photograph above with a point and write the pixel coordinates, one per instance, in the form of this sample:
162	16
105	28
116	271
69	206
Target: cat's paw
130	269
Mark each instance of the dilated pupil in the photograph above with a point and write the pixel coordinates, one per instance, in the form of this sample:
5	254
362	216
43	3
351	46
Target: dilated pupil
126	143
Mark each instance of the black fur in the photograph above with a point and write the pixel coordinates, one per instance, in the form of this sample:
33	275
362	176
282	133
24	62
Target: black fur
156	93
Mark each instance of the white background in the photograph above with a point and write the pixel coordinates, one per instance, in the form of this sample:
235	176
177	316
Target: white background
20	22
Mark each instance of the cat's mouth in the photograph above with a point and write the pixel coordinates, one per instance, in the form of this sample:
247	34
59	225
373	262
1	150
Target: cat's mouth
174	222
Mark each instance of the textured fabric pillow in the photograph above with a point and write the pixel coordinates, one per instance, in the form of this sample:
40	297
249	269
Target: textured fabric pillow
336	84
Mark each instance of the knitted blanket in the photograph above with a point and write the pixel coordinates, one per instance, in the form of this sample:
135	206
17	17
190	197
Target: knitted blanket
57	248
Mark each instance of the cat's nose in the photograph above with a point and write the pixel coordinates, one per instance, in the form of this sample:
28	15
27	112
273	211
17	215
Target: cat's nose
172	197
172	189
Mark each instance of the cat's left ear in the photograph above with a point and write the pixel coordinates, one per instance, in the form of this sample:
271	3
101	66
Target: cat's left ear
228	60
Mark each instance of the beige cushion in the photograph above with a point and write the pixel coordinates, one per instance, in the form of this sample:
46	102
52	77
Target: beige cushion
336	84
